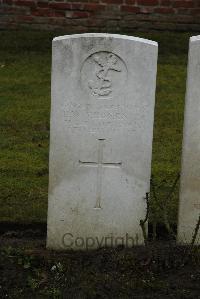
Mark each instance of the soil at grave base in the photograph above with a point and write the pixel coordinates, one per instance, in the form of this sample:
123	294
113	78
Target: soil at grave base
160	270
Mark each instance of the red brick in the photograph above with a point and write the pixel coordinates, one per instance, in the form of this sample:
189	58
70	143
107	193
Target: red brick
131	9
30	3
103	14
184	11
43	12
113	1
7	1
165	2
25	18
147	9
130	1
77	6
42	4
81	1
164	10
183	4
93	6
60	5
195	11
147	2
9	10
77	14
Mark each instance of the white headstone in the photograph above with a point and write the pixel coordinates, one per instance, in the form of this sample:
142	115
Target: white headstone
189	209
103	90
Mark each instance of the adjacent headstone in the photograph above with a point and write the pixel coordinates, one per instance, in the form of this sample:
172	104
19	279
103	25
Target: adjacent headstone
103	92
189	209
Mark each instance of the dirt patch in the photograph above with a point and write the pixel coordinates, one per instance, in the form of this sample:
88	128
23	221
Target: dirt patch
160	270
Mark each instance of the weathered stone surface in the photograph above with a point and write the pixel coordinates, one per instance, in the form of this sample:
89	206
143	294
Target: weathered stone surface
103	90
189	209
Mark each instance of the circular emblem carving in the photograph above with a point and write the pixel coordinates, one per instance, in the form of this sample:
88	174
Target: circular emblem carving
103	74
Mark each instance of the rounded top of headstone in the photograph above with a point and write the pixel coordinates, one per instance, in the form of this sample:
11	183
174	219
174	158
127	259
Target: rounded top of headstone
106	35
195	38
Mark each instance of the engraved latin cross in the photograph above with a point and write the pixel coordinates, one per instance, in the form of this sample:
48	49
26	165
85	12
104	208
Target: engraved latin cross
99	165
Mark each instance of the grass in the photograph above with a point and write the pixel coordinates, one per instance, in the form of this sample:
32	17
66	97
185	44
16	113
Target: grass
25	66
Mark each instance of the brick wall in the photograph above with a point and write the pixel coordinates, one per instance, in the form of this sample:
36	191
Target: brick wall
101	15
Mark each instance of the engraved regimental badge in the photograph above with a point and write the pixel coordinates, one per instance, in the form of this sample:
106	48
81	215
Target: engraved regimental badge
103	74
